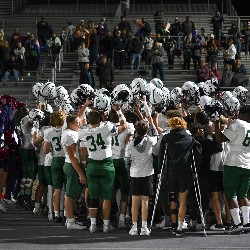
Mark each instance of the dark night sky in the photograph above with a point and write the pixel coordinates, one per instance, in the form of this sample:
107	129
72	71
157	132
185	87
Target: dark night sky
242	7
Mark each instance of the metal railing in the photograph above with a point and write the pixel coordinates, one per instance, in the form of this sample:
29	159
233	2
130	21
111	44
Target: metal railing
57	65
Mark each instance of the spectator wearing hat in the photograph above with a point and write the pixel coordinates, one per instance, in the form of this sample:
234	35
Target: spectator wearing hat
187	26
217	21
235	33
176	31
246	33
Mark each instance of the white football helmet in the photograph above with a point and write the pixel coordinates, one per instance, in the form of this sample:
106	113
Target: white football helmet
60	93
157	82
240	93
67	108
47	90
205	100
102	102
212	107
120	94
102	91
151	87
36	114
85	92
175	96
139	86
232	105
36	89
190	93
157	97
209	88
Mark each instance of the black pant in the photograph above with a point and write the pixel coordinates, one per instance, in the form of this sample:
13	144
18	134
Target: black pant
119	59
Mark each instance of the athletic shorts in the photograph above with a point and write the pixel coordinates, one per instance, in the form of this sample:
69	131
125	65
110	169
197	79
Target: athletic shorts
101	177
41	175
57	174
48	175
216	181
236	182
179	181
73	188
141	186
29	163
121	176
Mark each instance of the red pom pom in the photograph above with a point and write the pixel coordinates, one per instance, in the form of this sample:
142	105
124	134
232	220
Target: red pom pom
4	153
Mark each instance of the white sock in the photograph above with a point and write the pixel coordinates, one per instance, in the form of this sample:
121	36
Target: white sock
144	223
93	221
245	214
37	206
71	221
235	215
122	217
57	214
134	224
180	224
65	214
106	222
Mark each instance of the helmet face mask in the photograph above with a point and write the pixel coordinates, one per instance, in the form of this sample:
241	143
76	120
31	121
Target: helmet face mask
240	93
36	115
214	106
120	94
102	102
232	106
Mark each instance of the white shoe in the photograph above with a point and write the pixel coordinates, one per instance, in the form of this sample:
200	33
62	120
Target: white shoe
216	227
108	228
92	228
3	208
185	225
50	216
121	224
10	202
74	226
36	212
133	231
145	231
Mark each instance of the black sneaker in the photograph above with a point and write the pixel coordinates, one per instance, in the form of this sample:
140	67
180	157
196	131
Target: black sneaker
179	233
174	230
246	228
235	229
28	206
227	226
57	219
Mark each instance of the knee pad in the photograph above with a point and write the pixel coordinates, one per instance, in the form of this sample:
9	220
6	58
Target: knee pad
93	203
172	197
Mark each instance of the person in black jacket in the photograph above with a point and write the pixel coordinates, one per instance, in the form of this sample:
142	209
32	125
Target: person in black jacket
119	45
217	21
136	47
209	147
105	73
87	76
12	67
177	145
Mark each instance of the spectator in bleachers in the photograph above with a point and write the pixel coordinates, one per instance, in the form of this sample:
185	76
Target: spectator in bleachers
93	47
196	51
176	30
246	33
43	31
235	33
87	76
169	46
157	53
124	24
217	21
108	46
159	20
240	78
227	75
159	39
148	44
201	74
214	73
54	43
20	57
12	68
4	51
101	32
116	28
229	53
212	54
70	31
136	48
105	73
83	56
32	56
217	42
15	39
187	45
127	48
144	28
126	6
119	51
203	38
187	26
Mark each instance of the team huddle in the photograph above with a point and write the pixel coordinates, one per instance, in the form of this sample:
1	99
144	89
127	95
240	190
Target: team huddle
143	141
